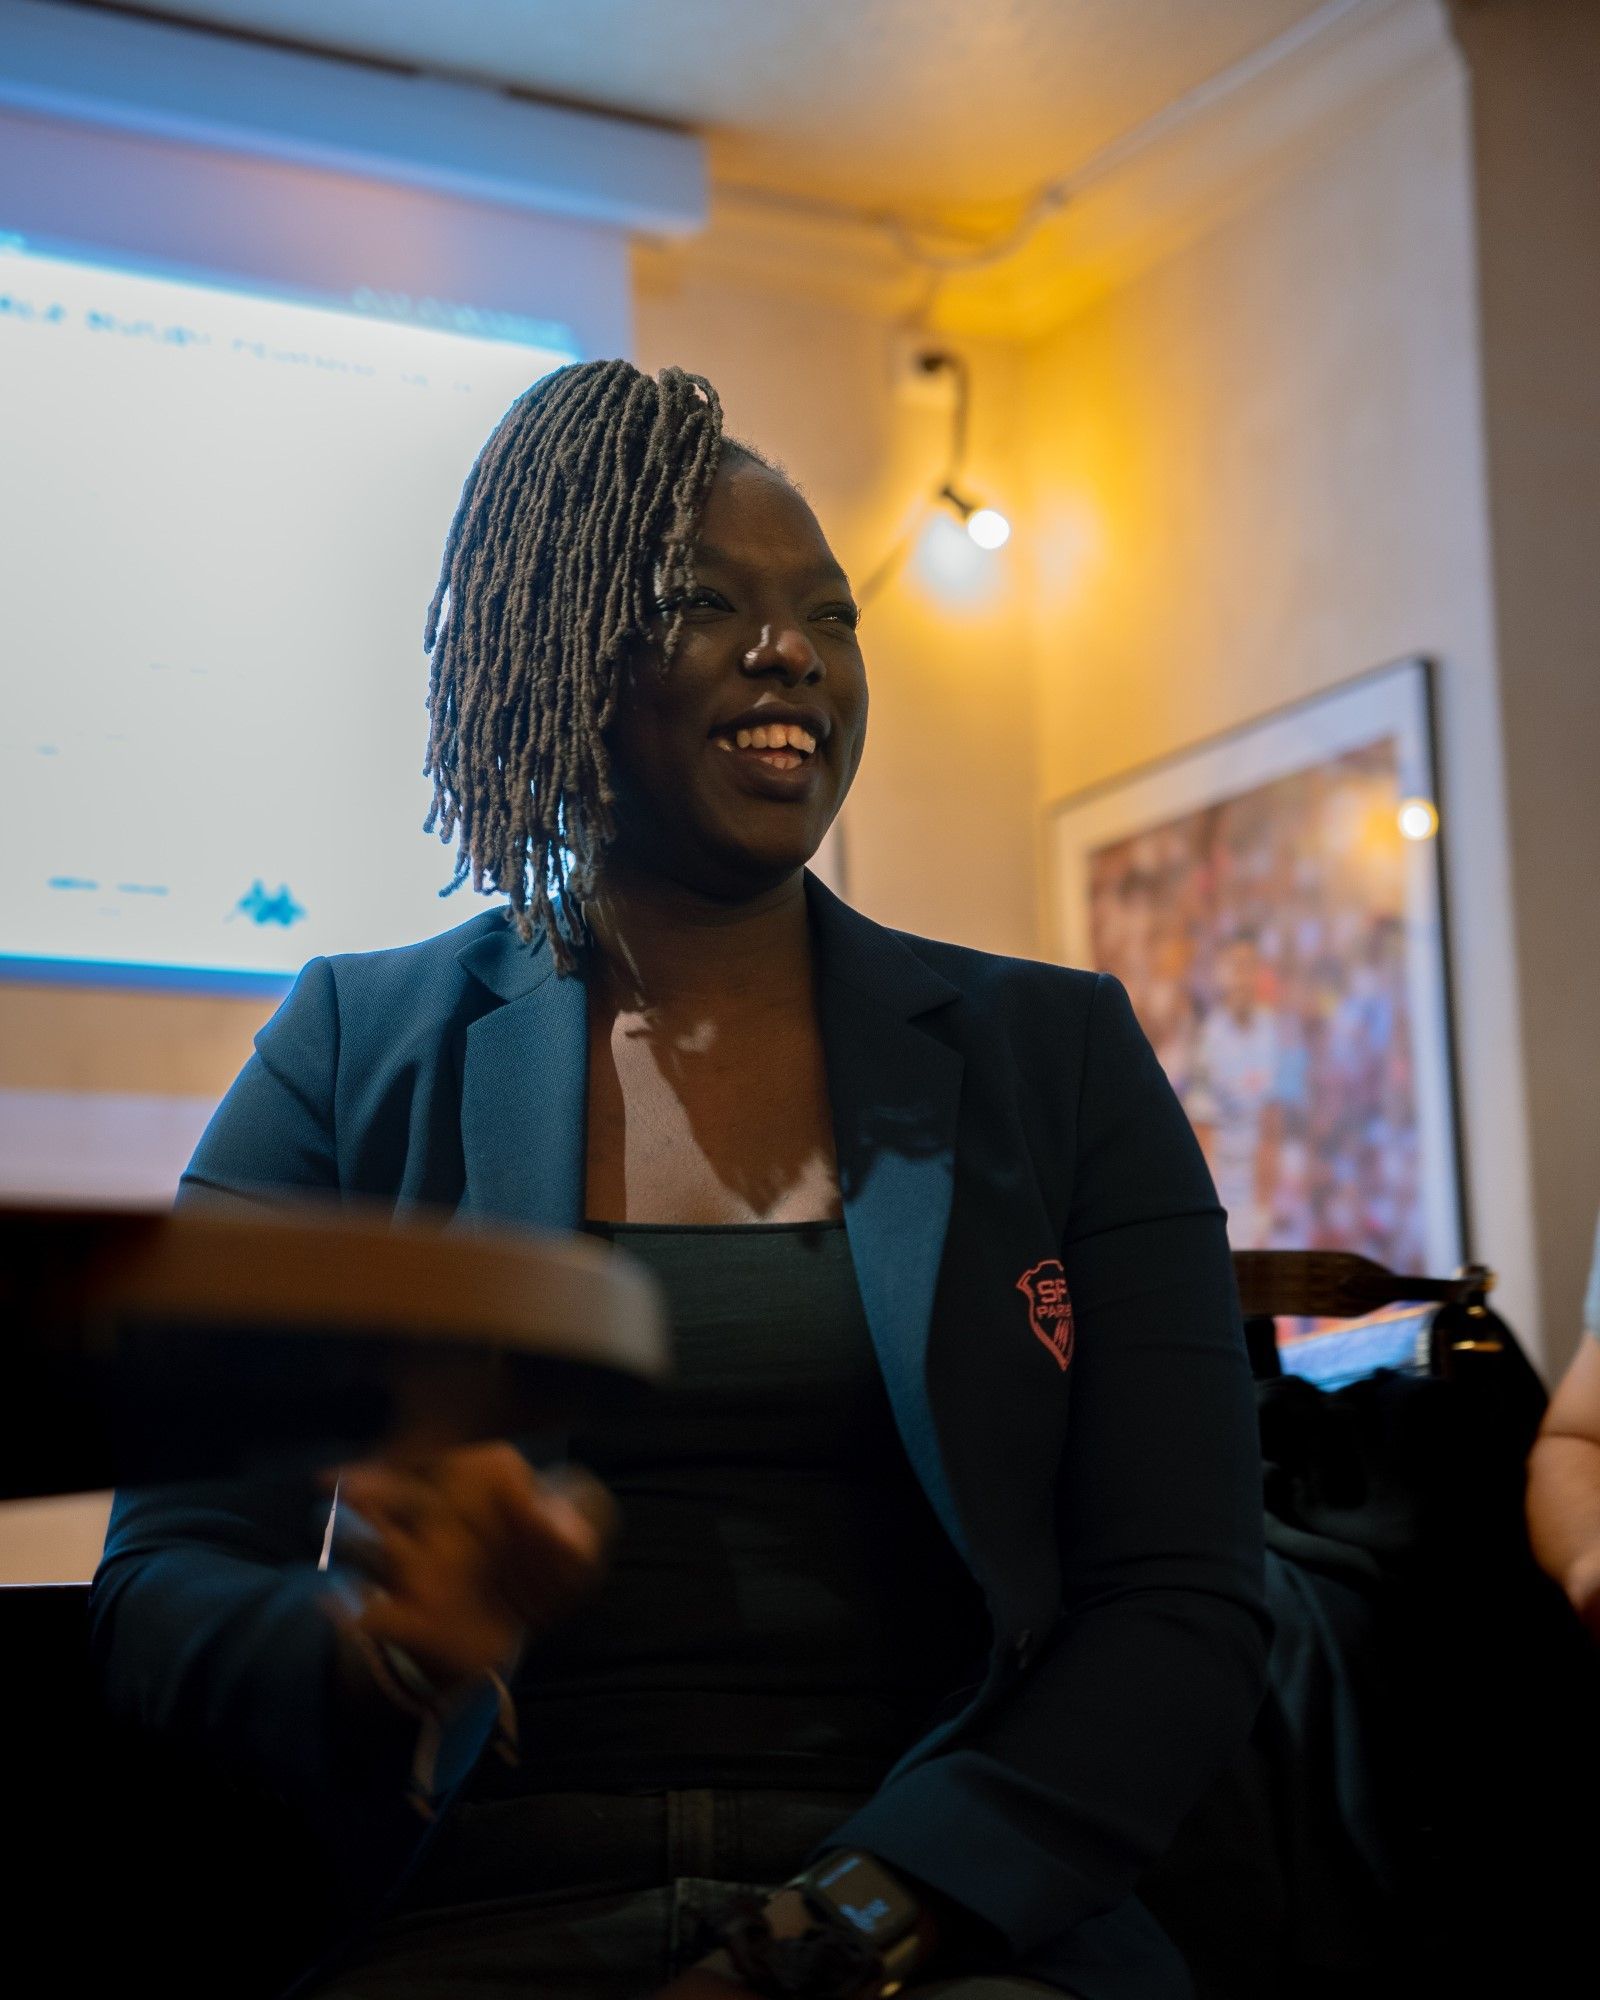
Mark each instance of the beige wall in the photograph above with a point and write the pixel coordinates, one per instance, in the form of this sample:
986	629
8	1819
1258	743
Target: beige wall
1536	126
1257	470
97	1038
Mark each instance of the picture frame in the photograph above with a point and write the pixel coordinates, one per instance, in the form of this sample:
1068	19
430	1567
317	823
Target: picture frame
1284	944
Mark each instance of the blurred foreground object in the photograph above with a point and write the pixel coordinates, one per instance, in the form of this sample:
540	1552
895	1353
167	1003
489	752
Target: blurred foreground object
146	1347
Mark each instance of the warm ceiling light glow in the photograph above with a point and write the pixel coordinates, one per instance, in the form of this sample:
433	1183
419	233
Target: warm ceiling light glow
988	527
1419	819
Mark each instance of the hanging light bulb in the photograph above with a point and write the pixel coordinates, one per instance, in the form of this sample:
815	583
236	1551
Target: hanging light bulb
931	533
987	526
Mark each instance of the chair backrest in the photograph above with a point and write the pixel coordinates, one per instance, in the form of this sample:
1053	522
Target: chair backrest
1338	1284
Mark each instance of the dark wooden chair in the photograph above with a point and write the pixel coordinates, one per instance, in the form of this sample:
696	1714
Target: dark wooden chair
1337	1284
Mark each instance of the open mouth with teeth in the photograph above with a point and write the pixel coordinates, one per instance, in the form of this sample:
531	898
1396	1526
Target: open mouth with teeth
782	745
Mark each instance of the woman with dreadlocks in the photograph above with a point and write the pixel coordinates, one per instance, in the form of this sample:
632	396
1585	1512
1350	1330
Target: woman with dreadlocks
935	1599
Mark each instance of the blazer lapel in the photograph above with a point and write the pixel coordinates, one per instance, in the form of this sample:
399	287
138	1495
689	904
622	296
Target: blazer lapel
896	1096
524	1087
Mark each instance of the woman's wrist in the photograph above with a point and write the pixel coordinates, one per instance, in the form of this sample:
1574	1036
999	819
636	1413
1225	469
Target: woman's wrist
405	1725
784	1949
915	1930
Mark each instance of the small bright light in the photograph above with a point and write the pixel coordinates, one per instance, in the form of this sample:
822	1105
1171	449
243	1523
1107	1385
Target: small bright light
988	527
1419	819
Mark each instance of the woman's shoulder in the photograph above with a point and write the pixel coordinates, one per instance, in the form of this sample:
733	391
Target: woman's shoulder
432	969
1000	977
376	1005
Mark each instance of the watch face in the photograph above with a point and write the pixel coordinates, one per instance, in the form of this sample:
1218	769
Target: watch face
865	1895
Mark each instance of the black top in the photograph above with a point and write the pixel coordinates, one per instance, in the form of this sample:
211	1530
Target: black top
782	1607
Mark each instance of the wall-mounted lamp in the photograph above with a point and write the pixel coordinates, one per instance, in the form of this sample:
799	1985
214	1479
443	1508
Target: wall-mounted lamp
987	526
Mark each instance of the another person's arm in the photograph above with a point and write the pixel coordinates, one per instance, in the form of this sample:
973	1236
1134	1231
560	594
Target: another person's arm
1564	1472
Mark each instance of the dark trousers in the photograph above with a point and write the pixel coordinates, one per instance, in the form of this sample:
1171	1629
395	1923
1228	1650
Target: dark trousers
585	1895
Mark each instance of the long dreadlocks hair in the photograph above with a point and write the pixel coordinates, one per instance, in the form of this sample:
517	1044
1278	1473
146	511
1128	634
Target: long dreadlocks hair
575	525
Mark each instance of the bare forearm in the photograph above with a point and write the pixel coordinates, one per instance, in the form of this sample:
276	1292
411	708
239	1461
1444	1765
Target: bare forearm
1564	1517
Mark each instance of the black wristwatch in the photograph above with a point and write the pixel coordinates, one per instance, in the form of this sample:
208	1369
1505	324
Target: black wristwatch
843	1929
854	1890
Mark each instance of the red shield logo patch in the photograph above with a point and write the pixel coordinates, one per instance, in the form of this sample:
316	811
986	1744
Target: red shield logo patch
1044	1286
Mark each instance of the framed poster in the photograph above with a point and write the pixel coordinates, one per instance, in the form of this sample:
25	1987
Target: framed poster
1272	900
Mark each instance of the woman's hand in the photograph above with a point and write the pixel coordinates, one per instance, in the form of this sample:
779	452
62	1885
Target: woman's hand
467	1552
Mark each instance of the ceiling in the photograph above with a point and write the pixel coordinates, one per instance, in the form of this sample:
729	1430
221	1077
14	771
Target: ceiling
938	109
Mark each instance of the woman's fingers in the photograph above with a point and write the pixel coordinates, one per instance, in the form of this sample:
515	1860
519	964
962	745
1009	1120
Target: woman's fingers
593	1501
470	1547
566	1513
452	1650
532	1522
550	1540
392	1498
437	1597
358	1543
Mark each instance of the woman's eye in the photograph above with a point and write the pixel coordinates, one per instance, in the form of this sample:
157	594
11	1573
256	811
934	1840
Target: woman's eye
693	600
847	614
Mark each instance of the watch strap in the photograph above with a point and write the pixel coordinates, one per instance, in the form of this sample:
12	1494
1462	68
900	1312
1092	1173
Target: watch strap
827	1960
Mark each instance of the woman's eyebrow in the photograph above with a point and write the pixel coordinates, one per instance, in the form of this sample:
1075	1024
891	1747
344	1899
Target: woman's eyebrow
822	572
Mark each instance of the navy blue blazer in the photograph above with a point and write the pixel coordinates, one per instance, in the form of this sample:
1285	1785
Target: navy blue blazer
1043	1264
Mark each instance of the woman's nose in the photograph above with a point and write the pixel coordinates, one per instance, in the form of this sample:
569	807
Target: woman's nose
784	646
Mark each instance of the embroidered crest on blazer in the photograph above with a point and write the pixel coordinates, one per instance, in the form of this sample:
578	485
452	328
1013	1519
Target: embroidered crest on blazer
1044	1286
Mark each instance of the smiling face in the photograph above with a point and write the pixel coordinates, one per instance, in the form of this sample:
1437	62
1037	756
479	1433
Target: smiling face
770	625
